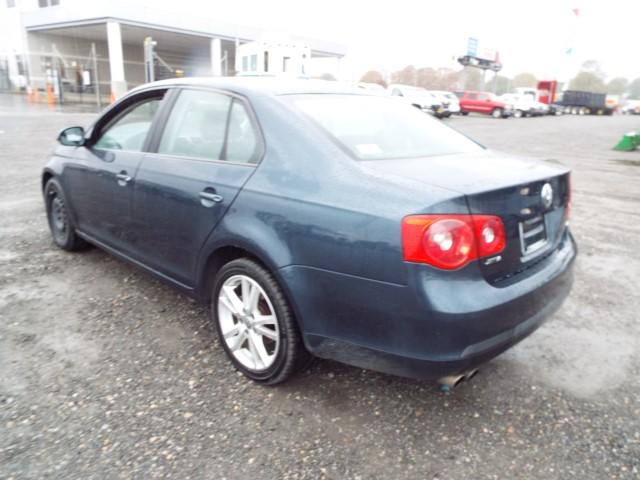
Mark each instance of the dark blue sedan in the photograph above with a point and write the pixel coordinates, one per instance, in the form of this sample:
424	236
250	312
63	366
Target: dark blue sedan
316	219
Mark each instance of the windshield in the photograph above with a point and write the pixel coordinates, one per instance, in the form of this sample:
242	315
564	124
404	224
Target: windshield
378	128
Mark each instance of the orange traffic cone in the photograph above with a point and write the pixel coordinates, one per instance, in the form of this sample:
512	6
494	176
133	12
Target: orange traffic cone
112	99
50	98
36	95
29	94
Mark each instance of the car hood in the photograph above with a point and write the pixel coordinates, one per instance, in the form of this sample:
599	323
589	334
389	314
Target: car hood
468	173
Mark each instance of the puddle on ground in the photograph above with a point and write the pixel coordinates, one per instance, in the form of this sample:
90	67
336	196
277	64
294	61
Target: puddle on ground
6	255
582	362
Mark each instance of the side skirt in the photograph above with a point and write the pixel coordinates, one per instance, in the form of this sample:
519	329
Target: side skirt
186	289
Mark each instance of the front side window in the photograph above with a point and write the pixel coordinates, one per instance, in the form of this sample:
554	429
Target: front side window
128	130
378	128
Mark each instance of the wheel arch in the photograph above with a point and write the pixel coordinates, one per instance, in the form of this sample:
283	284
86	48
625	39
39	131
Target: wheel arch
46	176
223	254
216	260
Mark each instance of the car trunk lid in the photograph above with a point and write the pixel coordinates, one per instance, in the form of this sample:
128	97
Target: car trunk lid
530	197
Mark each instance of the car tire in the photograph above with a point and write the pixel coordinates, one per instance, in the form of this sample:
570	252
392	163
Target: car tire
60	218
464	113
259	333
518	114
496	113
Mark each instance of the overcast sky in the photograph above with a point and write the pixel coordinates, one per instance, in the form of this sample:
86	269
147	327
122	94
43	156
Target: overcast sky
530	36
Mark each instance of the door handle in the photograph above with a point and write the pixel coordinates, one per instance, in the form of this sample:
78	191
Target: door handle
123	178
208	198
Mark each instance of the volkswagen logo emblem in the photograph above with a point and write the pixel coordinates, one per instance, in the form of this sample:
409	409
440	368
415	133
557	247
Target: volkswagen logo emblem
547	195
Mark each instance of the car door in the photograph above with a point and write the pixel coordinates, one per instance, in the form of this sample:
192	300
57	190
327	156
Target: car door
208	148
484	103
470	102
102	175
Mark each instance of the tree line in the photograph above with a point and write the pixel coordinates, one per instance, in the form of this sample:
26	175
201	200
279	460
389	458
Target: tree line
590	78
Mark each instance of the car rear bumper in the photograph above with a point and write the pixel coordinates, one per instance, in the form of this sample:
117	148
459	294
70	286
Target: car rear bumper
436	325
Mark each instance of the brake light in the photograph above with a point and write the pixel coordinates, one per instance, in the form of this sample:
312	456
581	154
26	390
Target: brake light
490	236
451	241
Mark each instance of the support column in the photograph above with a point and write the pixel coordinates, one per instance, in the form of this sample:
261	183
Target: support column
116	60
14	79
216	57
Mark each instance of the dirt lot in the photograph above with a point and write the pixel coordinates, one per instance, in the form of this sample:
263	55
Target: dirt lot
106	373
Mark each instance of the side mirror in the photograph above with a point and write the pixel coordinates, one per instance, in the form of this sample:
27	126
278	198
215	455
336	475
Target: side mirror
71	137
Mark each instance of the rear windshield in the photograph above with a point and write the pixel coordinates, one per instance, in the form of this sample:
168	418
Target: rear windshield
379	128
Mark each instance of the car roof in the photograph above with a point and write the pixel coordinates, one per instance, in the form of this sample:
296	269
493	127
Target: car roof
261	84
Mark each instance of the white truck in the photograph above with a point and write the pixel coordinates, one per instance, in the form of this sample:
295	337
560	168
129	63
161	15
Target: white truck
524	105
420	98
449	100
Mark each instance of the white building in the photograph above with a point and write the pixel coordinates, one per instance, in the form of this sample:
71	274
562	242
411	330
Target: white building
273	58
52	42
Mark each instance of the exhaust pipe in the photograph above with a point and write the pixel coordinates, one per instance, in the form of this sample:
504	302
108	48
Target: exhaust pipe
450	382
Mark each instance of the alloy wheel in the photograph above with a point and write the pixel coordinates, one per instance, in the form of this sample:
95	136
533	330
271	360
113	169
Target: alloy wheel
248	322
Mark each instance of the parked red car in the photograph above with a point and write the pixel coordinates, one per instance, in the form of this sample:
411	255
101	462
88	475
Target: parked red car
483	102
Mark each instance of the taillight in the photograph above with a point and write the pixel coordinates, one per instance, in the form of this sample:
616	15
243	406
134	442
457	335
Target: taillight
490	236
451	241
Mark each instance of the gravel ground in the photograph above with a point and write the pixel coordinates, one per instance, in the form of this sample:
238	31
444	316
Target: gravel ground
106	373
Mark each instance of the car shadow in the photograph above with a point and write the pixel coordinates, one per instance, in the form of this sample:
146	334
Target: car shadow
341	390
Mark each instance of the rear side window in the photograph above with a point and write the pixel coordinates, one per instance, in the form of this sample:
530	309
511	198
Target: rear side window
241	137
128	129
197	125
379	128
